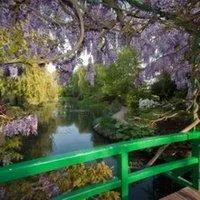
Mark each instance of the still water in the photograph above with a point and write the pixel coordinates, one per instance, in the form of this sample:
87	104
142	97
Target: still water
61	130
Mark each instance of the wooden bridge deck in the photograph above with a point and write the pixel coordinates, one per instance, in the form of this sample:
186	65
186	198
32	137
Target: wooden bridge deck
184	194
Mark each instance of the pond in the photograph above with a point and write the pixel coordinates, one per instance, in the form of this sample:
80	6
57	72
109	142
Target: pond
61	130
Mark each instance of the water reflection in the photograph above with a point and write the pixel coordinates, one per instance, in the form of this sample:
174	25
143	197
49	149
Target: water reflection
60	132
143	190
153	188
69	138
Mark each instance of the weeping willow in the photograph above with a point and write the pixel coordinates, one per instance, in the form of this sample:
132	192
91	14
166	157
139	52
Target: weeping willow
34	87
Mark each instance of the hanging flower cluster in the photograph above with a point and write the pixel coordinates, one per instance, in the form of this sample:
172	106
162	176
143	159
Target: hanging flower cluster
24	126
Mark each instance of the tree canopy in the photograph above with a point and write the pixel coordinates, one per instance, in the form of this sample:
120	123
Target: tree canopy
165	33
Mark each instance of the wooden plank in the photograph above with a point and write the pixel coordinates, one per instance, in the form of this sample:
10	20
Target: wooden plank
184	194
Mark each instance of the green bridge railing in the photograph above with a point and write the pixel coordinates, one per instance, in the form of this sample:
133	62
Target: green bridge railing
124	178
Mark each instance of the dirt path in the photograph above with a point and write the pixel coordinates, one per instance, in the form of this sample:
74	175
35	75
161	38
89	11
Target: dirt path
120	116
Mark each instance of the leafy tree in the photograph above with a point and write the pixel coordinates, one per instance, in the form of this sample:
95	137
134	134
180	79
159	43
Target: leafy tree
13	42
100	75
120	76
34	87
10	150
71	88
111	82
83	84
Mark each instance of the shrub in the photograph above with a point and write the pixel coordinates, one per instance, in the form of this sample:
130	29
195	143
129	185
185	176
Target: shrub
9	150
51	184
114	130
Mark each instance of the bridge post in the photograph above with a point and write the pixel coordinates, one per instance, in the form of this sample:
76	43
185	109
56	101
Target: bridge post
122	171
196	169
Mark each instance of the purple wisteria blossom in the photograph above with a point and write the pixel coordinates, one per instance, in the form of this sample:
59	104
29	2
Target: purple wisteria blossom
90	74
50	189
168	5
24	126
2	193
163	34
164	50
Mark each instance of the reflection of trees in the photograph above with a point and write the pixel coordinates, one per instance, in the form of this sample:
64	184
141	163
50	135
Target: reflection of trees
82	120
98	140
47	112
41	145
67	119
37	146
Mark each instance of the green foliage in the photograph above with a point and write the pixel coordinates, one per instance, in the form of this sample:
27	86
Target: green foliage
131	101
26	189
115	130
34	87
79	175
78	87
67	179
9	150
115	82
14	43
134	95
94	106
71	89
164	87
45	112
82	83
120	76
109	196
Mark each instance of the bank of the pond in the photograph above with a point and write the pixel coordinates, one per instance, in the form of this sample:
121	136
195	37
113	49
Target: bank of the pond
114	130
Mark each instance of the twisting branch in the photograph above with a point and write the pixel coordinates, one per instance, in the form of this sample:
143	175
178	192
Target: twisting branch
165	117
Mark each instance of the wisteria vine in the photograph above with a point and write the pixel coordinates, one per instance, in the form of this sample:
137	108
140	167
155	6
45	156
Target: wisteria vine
58	31
24	126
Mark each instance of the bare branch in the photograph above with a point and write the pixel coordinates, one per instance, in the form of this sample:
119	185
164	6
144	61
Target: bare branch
153	122
188	128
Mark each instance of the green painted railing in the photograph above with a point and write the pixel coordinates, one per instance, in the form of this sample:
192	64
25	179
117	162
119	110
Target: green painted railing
121	150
